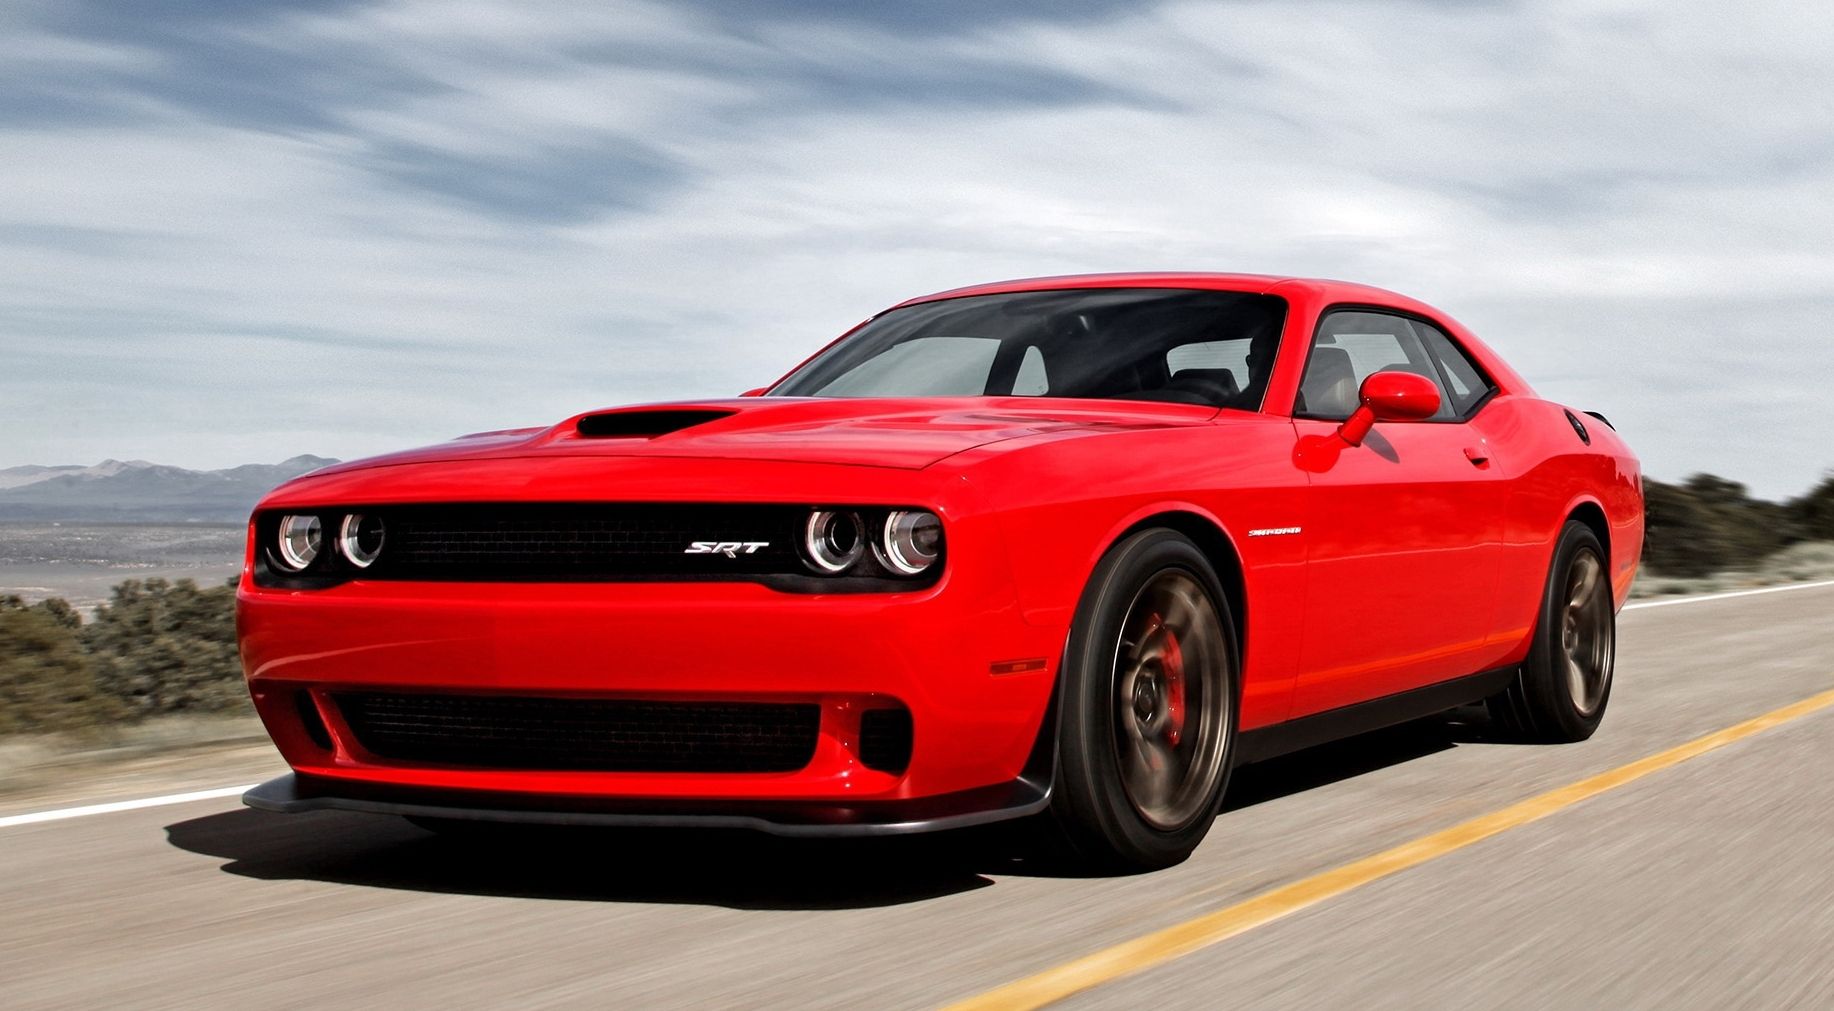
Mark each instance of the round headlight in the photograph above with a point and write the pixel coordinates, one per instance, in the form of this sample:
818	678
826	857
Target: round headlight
833	540
299	542
911	543
360	539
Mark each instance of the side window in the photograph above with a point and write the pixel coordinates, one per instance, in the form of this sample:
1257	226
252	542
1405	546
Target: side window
1350	346
1231	355
1467	385
1032	380
1215	370
921	367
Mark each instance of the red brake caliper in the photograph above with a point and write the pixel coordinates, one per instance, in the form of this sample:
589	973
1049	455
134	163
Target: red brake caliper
1172	663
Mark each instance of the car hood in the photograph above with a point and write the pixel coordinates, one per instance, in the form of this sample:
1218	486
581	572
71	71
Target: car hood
902	433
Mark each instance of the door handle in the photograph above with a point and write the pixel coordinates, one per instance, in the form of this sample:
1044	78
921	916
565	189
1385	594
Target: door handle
1478	457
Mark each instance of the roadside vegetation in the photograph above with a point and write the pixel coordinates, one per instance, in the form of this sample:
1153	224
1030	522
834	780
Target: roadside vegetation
161	649
1707	534
156	648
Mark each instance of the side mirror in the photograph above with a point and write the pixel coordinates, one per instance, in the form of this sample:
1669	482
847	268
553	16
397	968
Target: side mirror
759	392
1390	396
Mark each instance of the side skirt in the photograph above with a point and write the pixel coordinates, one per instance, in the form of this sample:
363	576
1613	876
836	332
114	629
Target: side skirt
1263	743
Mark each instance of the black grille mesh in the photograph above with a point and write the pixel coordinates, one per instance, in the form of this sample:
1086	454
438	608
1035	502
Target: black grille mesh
604	735
609	541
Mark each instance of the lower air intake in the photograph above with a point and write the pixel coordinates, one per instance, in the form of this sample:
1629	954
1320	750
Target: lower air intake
597	735
885	739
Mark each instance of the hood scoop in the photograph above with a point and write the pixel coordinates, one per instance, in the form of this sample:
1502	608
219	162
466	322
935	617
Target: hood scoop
643	424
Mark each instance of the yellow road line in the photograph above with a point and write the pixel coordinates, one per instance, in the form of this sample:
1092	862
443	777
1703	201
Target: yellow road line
1162	946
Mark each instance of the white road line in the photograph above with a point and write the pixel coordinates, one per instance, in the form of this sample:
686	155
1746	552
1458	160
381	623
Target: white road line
122	805
1703	598
60	814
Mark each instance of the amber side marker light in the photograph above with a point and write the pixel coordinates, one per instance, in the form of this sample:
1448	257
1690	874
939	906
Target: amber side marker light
1017	666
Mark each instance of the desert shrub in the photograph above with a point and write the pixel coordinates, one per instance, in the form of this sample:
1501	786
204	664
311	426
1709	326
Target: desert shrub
1707	523
167	647
1680	539
46	679
1814	512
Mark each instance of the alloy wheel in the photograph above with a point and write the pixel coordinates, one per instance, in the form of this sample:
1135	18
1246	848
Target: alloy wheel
1587	636
1171	700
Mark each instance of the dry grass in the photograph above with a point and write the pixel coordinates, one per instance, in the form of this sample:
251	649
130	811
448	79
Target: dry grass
1810	561
28	760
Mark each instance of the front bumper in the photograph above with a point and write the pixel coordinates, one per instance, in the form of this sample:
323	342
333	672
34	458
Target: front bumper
934	653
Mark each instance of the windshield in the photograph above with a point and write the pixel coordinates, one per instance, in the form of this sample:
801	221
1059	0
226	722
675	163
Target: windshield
1189	347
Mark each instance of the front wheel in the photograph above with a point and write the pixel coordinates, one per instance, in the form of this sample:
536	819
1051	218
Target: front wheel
1148	706
1560	693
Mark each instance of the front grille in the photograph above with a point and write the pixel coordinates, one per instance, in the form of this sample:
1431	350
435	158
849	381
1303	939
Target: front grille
599	735
540	541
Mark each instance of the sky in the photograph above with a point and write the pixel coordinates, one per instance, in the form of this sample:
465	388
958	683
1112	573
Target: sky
234	232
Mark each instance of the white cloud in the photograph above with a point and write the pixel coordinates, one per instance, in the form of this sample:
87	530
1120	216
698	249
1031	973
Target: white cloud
525	216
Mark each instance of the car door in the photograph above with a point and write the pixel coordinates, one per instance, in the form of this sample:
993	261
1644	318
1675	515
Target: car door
1402	532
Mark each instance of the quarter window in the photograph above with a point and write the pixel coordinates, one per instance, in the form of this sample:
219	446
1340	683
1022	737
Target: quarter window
1466	383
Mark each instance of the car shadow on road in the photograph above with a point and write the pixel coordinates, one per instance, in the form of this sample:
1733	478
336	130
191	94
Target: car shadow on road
726	868
1349	758
729	868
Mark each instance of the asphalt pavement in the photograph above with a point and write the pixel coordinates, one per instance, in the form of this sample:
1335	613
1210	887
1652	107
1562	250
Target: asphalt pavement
1706	884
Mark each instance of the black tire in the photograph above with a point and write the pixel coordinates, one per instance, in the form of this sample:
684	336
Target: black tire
1560	693
1112	808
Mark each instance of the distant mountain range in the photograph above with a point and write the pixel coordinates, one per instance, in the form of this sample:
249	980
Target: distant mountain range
135	491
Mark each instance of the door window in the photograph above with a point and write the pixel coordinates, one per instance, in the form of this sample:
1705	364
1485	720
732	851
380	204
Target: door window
1350	346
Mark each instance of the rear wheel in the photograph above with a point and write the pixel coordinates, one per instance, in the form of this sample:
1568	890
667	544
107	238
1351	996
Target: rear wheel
1561	692
1148	713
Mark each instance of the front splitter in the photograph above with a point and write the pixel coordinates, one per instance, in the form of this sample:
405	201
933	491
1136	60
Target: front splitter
294	793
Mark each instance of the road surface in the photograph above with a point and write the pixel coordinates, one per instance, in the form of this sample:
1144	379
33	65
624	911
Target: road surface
1707	883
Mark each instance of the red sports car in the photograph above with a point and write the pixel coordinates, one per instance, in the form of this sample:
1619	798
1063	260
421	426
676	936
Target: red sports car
1065	549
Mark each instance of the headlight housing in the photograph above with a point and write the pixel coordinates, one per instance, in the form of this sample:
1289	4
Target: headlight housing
360	538
833	540
310	549
299	541
905	544
910	541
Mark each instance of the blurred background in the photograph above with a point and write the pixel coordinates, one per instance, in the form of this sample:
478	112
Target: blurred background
236	233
